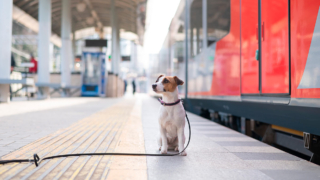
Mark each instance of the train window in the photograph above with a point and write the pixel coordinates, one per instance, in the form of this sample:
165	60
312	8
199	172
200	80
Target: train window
218	19
218	23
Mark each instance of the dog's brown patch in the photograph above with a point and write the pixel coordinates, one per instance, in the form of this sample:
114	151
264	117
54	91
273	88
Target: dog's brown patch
178	81
170	83
159	78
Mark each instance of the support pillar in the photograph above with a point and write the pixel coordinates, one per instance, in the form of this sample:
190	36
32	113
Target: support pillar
186	27
74	50
113	38
204	25
66	48
198	40
118	50
205	40
44	45
191	42
5	50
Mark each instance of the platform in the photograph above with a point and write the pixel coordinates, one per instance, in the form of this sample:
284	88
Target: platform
76	125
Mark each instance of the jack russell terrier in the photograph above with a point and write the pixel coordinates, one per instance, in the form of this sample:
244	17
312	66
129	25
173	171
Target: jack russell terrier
172	114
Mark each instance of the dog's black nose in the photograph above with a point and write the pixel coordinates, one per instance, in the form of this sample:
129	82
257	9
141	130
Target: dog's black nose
154	86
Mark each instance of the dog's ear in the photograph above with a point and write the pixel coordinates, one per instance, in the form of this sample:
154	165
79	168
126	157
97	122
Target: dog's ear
159	77
178	81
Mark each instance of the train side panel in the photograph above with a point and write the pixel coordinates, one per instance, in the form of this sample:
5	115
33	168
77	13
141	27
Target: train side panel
305	49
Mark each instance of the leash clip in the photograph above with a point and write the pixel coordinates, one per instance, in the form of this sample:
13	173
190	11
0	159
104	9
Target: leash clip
36	159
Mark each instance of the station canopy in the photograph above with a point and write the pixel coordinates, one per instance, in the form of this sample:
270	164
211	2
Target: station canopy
94	13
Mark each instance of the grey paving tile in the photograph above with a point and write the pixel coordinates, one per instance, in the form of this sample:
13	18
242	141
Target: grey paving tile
2	153
213	128
267	156
231	138
292	174
6	142
179	173
283	165
208	123
223	135
242	143
253	149
244	174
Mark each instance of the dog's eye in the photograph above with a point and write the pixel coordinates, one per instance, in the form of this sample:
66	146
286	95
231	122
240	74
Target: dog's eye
165	81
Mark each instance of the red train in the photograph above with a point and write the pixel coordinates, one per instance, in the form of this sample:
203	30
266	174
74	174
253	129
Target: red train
256	60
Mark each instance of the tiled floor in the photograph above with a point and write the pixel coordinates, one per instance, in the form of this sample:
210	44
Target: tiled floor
131	125
217	152
99	132
26	121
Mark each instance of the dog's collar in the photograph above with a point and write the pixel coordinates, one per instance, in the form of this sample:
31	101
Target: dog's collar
169	104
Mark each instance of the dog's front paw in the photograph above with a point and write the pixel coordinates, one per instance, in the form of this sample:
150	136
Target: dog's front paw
163	151
176	149
184	153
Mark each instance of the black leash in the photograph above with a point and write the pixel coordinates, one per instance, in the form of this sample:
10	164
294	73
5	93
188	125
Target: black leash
37	160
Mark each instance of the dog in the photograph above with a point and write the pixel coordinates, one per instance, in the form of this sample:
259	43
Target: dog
172	115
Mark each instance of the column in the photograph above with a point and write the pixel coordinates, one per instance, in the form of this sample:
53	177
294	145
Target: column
118	60
205	42
74	50
186	27
44	45
5	50
66	48
198	40
113	37
191	42
204	25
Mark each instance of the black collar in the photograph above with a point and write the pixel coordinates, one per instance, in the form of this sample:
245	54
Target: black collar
169	104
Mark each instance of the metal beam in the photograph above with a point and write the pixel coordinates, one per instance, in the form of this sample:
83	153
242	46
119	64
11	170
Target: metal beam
95	15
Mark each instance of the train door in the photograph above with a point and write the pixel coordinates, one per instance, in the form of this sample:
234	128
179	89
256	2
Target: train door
264	47
249	47
274	47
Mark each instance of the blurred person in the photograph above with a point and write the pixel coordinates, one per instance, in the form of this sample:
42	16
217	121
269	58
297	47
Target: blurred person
33	69
13	64
133	86
125	86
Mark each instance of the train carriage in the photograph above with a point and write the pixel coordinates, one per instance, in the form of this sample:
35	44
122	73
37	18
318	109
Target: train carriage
255	60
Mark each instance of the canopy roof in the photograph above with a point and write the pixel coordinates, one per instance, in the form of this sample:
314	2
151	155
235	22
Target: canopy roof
94	13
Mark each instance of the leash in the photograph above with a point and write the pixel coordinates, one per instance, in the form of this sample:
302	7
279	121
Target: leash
36	159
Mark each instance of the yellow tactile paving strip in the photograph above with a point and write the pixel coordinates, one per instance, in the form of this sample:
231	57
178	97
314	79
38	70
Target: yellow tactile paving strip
118	128
131	140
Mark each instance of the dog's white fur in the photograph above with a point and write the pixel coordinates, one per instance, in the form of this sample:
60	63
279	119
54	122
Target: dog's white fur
171	121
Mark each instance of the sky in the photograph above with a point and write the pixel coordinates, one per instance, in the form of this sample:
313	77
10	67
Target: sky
159	16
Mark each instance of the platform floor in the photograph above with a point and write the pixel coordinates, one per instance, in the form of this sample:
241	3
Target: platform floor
76	125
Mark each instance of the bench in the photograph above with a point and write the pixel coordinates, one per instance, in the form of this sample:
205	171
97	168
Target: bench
64	90
27	82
